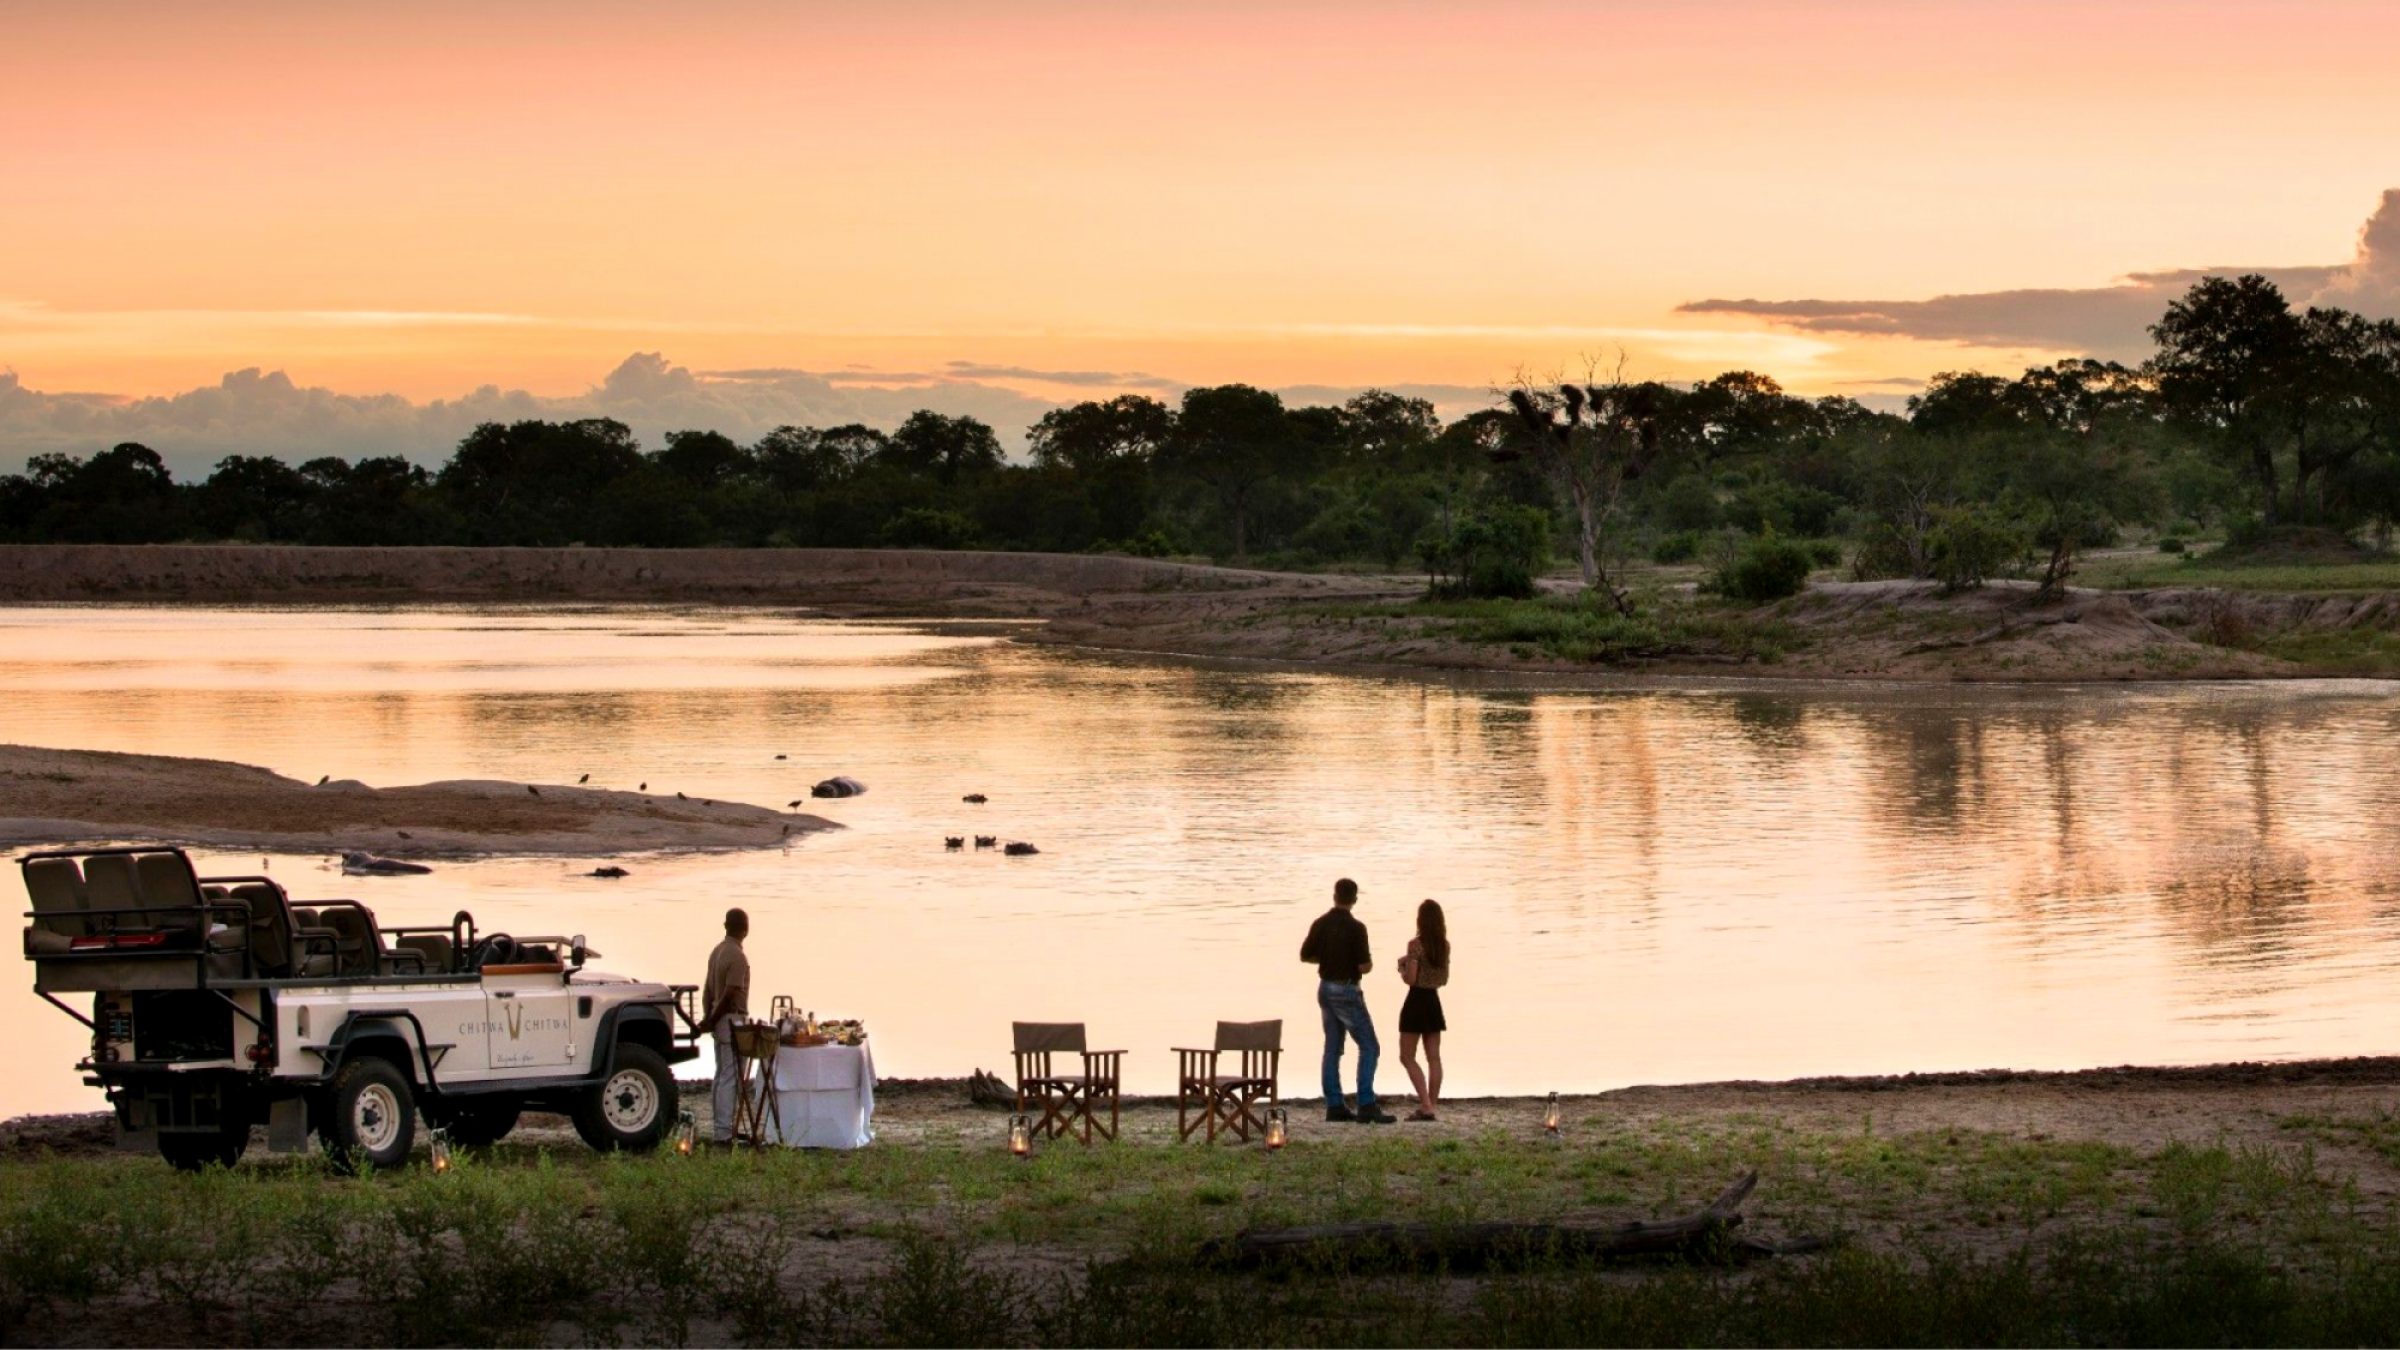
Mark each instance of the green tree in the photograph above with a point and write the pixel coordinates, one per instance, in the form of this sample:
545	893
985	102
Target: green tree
1234	439
945	449
704	459
2227	352
1086	437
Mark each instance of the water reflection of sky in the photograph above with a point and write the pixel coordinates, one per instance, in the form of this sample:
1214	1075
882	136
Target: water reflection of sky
1657	884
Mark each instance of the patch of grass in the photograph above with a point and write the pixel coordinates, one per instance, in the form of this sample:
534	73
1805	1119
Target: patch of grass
1574	628
2346	651
2128	573
1955	1236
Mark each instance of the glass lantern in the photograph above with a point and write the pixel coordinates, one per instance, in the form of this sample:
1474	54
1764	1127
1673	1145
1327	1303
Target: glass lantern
441	1151
1279	1128
686	1134
1020	1136
1550	1117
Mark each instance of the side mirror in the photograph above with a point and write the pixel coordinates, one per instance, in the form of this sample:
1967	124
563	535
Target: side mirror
576	951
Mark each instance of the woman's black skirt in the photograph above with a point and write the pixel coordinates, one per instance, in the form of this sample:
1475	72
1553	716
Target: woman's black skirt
1421	1015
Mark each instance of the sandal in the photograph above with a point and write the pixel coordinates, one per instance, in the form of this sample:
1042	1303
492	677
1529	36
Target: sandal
1422	1114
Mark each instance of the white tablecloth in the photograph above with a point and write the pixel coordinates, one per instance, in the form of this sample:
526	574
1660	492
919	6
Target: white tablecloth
826	1095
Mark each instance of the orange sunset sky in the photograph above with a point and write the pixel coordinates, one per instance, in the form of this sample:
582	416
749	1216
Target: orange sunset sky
812	210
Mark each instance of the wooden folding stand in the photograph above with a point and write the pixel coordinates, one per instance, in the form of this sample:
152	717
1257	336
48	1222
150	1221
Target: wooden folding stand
1216	1095
755	1099
1069	1101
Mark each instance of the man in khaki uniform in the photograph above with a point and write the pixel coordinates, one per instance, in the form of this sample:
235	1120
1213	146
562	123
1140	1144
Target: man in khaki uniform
725	997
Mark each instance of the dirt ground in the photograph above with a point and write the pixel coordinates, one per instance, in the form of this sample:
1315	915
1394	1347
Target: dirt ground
2130	1107
60	796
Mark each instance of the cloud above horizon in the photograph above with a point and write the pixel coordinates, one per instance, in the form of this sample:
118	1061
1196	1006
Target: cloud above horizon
2109	321
259	412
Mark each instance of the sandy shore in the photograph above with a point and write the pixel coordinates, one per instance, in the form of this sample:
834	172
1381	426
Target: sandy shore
64	796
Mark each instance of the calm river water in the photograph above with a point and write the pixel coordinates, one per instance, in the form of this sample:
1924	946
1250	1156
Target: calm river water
1648	885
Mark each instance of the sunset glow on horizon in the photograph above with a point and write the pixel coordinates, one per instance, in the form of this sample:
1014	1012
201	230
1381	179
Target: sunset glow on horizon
427	201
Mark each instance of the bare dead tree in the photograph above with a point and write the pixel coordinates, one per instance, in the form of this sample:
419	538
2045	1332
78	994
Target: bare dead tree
1593	439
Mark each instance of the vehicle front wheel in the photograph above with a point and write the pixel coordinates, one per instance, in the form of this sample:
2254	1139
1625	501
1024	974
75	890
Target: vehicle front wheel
371	1118
631	1110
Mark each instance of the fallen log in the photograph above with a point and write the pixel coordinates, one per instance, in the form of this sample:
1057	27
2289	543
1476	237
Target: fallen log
1708	1236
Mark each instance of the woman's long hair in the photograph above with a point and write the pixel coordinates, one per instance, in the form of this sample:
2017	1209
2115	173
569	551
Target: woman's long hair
1433	934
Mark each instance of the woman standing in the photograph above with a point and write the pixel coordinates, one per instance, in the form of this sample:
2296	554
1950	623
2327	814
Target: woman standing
1426	968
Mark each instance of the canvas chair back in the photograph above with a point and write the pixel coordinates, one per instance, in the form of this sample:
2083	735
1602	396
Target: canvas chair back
1250	1035
1048	1037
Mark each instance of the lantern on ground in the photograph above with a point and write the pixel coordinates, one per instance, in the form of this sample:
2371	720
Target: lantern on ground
1279	1128
685	1134
1550	1117
441	1151
1020	1136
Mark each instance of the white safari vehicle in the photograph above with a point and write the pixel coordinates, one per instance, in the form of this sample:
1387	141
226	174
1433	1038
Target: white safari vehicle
219	1003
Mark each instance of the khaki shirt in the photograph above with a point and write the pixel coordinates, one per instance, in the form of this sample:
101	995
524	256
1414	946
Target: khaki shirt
729	979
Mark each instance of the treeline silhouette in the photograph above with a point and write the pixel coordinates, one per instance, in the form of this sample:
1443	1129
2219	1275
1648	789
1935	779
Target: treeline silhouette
2251	417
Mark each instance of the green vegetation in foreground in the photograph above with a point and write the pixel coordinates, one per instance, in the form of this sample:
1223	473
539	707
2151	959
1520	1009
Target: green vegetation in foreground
1579	629
1947	1238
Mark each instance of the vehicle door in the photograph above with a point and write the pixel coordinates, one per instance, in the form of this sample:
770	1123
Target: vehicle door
531	1019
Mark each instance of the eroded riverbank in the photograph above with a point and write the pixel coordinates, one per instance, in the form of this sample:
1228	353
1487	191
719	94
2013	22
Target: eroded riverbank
1834	630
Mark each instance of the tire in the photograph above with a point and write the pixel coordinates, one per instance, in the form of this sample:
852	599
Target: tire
482	1122
196	1152
370	1116
633	1109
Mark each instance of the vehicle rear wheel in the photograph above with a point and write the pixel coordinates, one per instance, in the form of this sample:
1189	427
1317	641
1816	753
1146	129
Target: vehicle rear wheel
481	1123
371	1118
194	1152
633	1108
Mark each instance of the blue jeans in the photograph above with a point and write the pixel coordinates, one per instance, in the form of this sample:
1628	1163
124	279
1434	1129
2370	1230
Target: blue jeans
1345	1009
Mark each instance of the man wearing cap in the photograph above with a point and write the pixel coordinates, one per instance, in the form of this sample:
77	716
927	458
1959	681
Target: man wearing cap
725	998
1337	945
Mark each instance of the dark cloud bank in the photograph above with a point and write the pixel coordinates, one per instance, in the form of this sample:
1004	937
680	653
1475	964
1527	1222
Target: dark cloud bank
2102	321
251	412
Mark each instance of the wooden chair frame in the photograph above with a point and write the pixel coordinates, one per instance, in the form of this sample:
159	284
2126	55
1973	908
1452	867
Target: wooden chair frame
1069	1102
755	1101
1232	1103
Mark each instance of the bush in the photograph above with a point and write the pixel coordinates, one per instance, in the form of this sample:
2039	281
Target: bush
1969	547
2170	544
1493	554
1680	547
1766	569
1689	505
924	527
1827	552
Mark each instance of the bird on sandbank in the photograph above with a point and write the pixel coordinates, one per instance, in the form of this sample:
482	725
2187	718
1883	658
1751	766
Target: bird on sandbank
585	779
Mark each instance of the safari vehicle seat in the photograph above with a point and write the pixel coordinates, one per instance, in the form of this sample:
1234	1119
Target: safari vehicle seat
279	947
358	940
434	950
56	886
169	889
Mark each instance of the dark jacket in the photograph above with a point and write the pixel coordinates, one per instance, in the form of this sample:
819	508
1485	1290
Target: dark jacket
1337	942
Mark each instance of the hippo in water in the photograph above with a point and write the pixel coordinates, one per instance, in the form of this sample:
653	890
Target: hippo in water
356	863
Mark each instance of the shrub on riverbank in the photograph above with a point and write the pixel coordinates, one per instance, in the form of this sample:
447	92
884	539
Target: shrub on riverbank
1581	630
